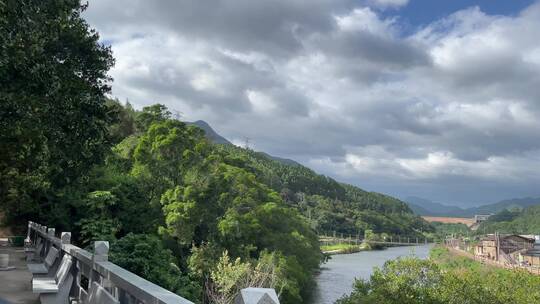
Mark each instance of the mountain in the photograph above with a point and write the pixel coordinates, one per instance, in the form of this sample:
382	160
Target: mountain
510	204
212	135
328	205
422	206
284	161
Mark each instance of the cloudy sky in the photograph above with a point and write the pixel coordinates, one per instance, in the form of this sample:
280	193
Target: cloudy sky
437	99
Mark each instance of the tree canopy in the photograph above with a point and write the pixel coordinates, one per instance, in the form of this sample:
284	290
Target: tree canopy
53	77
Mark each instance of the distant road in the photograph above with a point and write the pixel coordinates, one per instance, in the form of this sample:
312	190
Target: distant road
450	220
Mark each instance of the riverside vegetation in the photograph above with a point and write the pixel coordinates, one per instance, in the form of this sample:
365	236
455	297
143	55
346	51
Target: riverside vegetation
444	279
200	219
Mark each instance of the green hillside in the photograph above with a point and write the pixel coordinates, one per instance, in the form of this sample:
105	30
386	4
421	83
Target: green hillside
524	221
422	206
327	204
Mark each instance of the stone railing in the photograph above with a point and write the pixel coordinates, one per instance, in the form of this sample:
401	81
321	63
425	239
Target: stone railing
125	286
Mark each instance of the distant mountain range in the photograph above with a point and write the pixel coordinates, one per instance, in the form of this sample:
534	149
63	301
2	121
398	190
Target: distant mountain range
422	206
214	137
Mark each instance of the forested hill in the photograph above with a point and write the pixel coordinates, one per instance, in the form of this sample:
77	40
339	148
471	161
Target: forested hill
425	207
525	221
209	132
327	204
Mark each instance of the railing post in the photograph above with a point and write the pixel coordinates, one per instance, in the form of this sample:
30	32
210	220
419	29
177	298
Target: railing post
51	233
101	251
28	240
256	296
65	238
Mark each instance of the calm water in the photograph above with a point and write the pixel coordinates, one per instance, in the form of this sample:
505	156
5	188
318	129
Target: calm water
337	276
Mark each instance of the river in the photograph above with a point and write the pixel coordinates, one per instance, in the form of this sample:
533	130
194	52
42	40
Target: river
337	276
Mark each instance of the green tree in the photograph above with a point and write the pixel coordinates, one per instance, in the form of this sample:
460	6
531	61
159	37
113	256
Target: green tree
146	256
151	114
99	224
53	117
165	152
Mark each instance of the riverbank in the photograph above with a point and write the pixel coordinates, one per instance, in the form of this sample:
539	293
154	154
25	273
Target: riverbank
337	275
353	248
460	253
344	248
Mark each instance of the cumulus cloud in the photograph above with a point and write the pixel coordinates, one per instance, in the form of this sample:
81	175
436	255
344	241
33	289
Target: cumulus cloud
449	111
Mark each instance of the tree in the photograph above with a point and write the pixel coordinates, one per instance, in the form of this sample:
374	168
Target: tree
165	152
53	117
229	277
150	115
444	279
99	224
124	125
146	256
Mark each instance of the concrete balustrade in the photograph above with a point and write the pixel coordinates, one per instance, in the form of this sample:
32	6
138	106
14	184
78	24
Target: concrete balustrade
94	269
257	296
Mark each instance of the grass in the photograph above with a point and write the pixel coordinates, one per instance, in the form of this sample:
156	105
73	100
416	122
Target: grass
448	261
344	248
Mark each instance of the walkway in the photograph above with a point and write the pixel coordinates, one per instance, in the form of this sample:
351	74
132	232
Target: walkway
15	284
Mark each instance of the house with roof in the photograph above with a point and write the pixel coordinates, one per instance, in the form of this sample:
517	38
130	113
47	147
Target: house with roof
501	247
531	257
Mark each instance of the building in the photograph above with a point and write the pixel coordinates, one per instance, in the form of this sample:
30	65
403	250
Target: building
481	218
531	257
508	247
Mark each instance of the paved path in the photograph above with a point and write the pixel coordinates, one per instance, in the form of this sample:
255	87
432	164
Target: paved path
15	284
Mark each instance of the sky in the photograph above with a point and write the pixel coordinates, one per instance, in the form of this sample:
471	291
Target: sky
434	99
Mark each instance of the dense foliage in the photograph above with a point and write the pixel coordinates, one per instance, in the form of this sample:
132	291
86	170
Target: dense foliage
444	279
330	206
443	230
53	117
202	201
526	221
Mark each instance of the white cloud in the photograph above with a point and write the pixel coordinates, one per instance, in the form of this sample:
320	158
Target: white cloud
342	89
261	103
364	19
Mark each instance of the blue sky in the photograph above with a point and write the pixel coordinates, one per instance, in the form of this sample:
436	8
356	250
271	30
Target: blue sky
422	12
428	98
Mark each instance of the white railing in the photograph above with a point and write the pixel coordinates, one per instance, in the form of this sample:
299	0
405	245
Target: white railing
125	286
89	267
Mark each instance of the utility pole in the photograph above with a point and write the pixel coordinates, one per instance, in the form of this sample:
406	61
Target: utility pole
498	243
246	142
176	114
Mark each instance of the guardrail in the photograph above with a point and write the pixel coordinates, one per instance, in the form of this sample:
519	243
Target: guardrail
125	286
